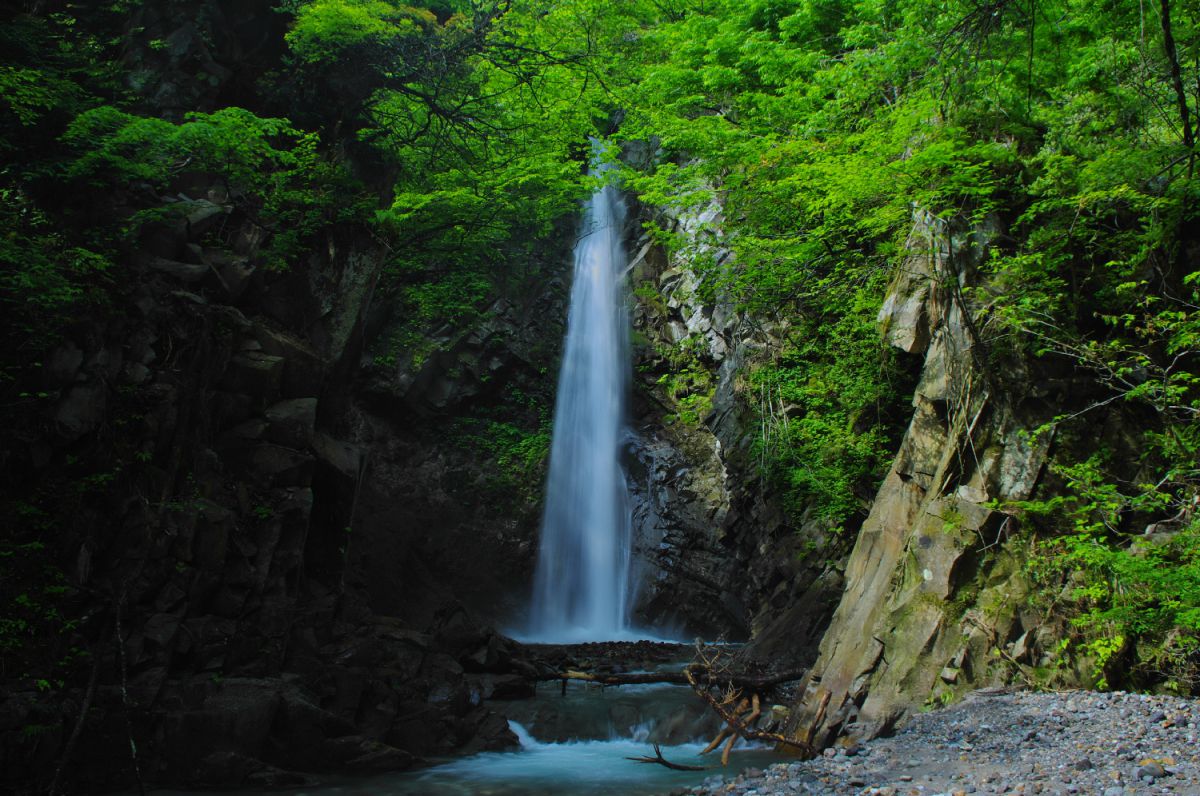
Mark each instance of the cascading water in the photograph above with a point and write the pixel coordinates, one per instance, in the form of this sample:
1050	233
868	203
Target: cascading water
581	582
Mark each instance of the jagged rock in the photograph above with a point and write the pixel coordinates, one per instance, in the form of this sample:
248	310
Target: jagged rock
502	686
291	422
485	730
303	369
233	271
931	517
161	629
210	539
343	457
276	466
236	715
255	374
202	217
365	756
188	273
231	769
81	410
62	364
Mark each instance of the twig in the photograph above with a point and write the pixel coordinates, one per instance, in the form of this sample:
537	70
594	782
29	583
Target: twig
662	761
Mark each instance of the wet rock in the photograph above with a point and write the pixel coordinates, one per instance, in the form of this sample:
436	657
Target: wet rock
63	364
235	715
486	731
276	466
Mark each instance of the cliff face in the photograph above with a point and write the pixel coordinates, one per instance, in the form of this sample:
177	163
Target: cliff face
270	530
933	603
722	557
931	600
277	558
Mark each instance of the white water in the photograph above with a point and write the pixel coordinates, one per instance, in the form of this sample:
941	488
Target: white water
581	585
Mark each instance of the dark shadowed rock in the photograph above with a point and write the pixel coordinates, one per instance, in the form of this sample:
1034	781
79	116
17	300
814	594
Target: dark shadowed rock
255	374
291	422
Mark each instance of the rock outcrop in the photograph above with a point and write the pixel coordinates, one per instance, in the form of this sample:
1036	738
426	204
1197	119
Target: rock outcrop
934	584
721	557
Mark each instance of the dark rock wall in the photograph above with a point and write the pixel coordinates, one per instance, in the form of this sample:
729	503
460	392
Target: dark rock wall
279	549
276	560
719	556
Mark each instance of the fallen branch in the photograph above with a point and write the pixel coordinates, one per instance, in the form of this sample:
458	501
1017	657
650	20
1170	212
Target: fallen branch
737	725
662	761
754	682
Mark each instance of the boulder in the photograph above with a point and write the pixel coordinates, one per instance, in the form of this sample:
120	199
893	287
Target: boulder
254	373
189	273
303	370
235	715
276	466
81	410
291	422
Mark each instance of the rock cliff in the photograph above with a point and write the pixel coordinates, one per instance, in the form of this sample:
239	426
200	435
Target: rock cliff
933	602
723	558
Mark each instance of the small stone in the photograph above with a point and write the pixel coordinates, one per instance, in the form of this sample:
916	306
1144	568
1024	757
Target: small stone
1084	765
1152	770
1157	715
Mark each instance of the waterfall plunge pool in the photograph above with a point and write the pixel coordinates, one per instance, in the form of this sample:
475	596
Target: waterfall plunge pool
571	745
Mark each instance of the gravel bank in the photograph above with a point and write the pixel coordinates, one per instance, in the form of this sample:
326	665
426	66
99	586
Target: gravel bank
995	741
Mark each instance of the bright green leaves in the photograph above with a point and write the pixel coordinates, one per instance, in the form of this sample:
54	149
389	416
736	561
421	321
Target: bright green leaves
823	405
327	31
29	94
119	148
270	169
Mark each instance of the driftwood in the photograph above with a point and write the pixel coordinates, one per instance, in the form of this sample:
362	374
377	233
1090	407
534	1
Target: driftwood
662	761
756	682
736	701
739	727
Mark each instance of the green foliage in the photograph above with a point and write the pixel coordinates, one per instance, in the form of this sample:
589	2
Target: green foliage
1124	590
327	31
688	381
827	435
520	454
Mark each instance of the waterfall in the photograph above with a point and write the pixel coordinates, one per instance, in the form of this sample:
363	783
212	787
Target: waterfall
581	582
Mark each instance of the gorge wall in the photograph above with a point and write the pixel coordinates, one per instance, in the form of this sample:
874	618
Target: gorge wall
247	523
284	531
271	519
723	559
930	599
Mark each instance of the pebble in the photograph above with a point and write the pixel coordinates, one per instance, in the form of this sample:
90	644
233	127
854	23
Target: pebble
1019	743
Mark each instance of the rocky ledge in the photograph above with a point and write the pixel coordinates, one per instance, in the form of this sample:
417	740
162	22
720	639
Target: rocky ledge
1005	742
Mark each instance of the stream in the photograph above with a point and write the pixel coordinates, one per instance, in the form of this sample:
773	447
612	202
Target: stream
572	745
